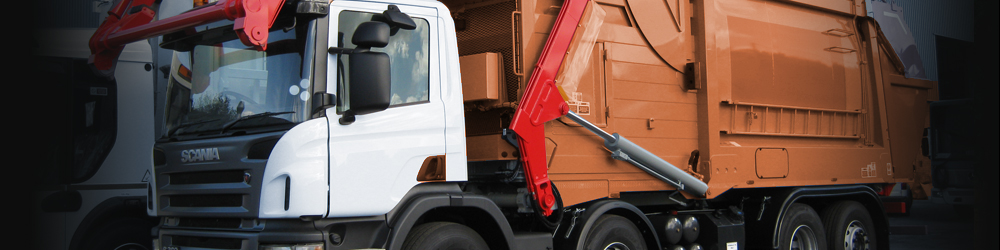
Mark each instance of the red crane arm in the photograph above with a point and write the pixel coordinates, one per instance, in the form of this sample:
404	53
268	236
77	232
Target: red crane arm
542	102
129	21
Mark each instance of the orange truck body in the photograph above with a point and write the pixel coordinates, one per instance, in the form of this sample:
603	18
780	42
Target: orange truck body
785	109
740	94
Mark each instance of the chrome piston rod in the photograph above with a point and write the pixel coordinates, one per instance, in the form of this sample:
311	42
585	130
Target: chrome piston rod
625	150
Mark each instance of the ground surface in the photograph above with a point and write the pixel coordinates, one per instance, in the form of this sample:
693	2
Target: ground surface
931	226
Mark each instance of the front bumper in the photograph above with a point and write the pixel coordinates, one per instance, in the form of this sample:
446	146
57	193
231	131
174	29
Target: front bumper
334	234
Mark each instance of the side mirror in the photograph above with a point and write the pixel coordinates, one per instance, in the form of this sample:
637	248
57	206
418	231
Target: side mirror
371	34
369	85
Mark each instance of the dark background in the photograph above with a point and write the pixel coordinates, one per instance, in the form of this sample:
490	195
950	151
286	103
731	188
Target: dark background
35	106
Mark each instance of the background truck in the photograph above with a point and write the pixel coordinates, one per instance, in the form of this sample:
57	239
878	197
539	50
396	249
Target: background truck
487	124
898	198
953	150
90	188
954	161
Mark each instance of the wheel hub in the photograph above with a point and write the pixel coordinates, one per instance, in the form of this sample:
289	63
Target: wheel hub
855	236
804	238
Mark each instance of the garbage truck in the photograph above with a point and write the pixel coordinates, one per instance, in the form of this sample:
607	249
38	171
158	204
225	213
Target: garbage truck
525	124
89	191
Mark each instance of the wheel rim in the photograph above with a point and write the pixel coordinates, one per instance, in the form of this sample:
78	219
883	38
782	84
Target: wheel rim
803	238
855	236
131	246
616	246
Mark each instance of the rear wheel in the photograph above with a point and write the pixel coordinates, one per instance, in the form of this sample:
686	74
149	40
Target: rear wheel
613	232
444	235
801	229
849	226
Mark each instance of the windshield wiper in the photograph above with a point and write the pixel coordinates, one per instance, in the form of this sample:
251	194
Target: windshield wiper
174	131
254	116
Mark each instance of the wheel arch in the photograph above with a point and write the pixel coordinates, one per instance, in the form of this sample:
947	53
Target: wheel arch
106	212
445	202
592	211
765	223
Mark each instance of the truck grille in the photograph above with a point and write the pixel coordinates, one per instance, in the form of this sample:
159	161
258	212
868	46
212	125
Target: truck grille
224	223
225	200
228	176
225	188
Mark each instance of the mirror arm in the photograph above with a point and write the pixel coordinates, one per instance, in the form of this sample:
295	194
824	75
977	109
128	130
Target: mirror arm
349	115
322	101
341	51
347	118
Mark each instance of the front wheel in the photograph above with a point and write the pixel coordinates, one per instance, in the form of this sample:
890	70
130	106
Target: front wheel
613	232
121	234
801	229
444	235
849	226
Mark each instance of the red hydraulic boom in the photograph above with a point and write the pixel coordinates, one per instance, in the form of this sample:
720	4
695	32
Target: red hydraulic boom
129	21
542	102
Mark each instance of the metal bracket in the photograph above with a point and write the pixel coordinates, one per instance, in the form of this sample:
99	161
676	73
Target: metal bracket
572	223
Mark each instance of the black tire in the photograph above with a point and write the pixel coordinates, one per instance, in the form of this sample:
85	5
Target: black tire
444	236
613	232
801	229
849	226
121	234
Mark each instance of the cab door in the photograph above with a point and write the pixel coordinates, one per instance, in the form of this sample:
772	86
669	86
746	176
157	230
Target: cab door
374	159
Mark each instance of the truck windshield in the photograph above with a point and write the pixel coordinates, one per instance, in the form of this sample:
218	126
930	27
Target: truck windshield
222	86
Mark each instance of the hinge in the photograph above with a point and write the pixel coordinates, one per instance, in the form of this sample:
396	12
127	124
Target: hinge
321	102
692	76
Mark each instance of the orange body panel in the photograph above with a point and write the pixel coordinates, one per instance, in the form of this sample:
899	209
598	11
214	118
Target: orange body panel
790	93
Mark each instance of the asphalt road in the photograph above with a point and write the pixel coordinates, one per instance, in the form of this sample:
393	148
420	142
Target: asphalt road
931	226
